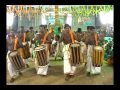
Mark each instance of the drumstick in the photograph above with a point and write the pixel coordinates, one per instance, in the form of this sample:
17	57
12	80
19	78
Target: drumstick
45	37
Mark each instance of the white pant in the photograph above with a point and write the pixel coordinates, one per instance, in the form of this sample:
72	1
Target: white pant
10	67
83	51
68	69
42	70
90	67
83	46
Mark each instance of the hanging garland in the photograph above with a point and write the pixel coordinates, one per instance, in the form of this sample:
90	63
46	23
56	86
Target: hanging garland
92	10
76	11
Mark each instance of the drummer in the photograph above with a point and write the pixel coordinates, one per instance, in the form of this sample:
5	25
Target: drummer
10	46
48	38
69	70
23	37
91	42
42	70
37	40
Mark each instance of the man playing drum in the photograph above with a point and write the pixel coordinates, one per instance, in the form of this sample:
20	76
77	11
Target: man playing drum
11	47
92	55
42	53
68	38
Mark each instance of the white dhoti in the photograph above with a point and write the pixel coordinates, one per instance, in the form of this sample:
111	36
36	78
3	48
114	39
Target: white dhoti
90	67
42	70
10	67
68	69
83	51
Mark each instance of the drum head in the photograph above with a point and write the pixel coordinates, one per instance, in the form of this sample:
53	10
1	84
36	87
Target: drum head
39	48
98	48
75	45
13	53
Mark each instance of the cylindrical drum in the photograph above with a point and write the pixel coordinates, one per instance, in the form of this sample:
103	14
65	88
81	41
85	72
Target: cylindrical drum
75	54
41	56
97	56
16	60
26	50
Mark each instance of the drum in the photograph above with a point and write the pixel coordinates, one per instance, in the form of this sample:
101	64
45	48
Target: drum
75	54
16	60
41	55
97	56
26	50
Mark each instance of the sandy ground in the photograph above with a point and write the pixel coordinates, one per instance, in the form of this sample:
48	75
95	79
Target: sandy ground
56	77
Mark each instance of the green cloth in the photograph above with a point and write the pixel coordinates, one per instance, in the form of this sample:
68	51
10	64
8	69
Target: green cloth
56	31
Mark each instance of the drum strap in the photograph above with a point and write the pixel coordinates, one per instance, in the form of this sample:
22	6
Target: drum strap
45	37
72	37
15	44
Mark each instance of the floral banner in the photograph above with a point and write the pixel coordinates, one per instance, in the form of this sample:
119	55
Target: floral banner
86	10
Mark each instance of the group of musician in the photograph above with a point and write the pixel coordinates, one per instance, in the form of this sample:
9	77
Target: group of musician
78	47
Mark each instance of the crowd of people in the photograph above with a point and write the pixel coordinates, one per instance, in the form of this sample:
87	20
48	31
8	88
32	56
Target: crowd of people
26	42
